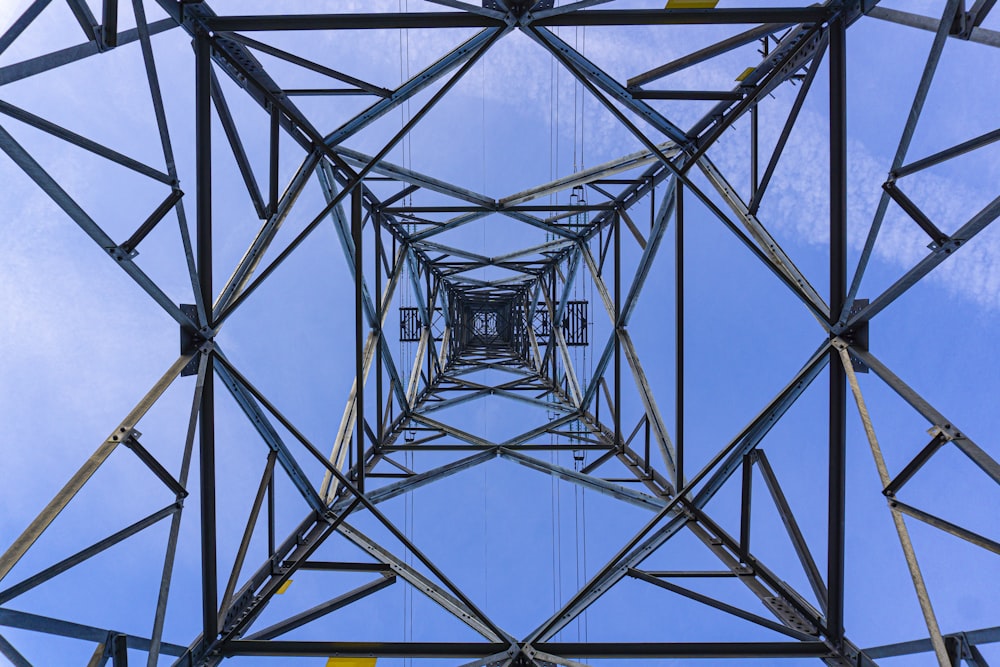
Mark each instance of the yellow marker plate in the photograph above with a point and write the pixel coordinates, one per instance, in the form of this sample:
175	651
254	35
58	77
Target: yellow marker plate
351	662
283	587
745	73
691	4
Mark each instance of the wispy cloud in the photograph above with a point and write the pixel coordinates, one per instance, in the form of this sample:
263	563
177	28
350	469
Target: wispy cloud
796	205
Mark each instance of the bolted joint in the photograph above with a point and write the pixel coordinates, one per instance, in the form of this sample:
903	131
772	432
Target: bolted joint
946	432
122	254
518	9
963	24
855	9
194	342
131	438
854	337
124	433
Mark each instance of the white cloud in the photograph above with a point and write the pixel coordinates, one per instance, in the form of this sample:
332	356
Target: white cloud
796	205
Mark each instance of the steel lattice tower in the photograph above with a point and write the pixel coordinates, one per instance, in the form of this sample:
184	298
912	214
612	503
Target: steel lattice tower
482	324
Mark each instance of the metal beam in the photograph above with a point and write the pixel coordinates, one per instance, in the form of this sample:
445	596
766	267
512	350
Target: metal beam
323	609
83	142
583	67
977	34
976	454
837	471
973	637
85	554
713	474
466	52
617	491
453	605
717	604
55	59
53	626
30	13
69	206
941	28
206	415
717	16
8	651
370	21
35	529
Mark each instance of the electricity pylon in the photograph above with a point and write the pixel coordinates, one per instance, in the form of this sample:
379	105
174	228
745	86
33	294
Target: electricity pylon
483	325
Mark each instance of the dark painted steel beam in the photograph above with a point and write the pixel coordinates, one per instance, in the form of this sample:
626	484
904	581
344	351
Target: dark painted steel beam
607	17
359	338
363	649
371	21
679	330
916	214
837	473
355	179
154	218
109	27
712	476
915	464
206	448
119	650
677	650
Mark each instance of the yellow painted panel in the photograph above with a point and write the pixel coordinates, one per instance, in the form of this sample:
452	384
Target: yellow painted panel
351	662
691	4
283	587
744	74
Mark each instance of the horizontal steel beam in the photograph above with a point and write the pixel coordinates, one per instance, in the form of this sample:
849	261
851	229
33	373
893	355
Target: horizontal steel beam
481	649
363	649
781	15
717	650
372	21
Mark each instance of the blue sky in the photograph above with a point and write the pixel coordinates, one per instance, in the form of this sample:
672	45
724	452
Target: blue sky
82	343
